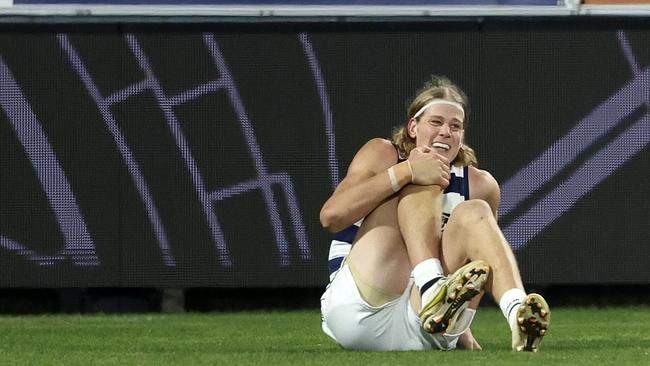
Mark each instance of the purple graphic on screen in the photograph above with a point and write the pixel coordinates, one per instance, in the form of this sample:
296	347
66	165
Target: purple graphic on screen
563	152
264	179
79	245
153	84
627	51
263	182
325	103
529	221
103	105
600	166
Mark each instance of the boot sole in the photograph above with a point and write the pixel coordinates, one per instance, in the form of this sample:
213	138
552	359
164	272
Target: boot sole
443	310
533	320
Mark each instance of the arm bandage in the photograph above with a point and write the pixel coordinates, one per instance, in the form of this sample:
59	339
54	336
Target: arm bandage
393	179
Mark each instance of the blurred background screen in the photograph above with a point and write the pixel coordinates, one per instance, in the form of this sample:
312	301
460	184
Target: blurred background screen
176	156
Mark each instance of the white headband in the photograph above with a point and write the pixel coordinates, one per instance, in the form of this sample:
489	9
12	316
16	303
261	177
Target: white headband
439	101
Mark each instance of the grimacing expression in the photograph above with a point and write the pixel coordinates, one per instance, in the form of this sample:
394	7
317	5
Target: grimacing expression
441	127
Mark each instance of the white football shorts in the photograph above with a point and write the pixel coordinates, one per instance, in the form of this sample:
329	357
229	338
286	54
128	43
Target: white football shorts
394	326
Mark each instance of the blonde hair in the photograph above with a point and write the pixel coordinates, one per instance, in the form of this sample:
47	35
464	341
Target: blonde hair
438	87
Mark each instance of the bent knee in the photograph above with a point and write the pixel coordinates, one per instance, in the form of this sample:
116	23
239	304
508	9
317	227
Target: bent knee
414	189
471	212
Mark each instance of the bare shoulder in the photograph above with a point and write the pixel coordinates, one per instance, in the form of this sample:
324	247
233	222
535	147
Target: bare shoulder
380	146
377	154
482	177
484	186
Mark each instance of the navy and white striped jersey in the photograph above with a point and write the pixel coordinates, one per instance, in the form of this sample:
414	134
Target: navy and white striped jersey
455	193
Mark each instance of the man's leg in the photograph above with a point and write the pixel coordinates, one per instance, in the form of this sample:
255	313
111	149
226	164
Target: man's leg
378	256
398	235
472	233
419	215
440	300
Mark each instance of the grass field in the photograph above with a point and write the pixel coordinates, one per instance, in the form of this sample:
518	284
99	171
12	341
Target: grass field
612	336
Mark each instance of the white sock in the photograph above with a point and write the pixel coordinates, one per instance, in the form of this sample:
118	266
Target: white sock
509	304
426	271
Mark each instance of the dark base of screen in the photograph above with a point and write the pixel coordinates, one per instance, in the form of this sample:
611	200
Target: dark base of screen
153	300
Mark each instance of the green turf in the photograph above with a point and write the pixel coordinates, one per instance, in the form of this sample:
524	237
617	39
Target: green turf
577	337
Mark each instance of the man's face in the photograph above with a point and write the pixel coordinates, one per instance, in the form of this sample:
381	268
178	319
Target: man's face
440	127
